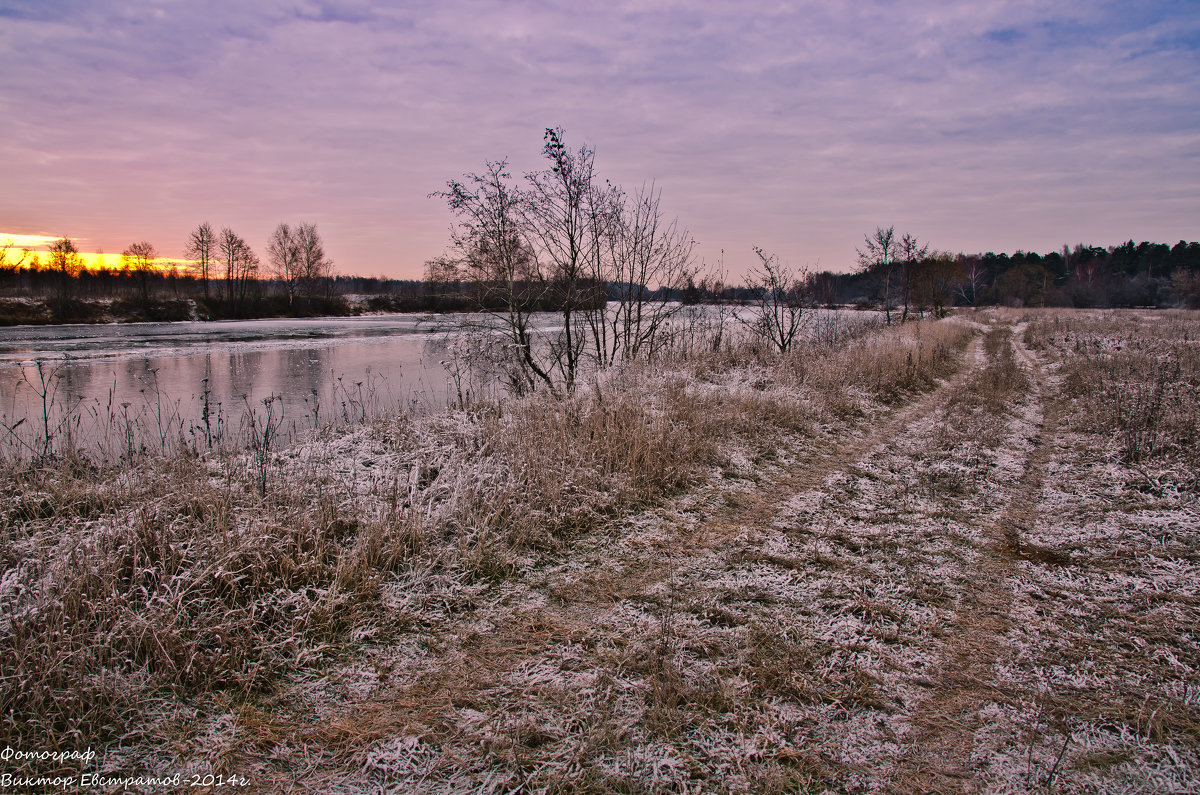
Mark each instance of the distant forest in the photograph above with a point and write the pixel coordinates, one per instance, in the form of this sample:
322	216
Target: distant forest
1130	275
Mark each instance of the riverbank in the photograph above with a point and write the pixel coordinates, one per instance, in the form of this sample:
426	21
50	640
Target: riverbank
25	310
731	571
49	311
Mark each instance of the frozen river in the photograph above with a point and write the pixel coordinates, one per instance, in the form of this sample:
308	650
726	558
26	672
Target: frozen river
319	368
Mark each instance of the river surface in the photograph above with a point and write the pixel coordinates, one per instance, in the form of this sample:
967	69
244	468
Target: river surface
118	388
318	367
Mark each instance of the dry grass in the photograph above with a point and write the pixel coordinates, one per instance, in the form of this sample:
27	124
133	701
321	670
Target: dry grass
559	594
875	564
1139	384
1101	651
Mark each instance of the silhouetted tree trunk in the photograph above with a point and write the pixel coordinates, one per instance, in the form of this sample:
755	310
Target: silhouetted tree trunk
202	250
139	260
879	257
64	261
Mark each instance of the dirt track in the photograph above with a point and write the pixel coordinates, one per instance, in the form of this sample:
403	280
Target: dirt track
851	613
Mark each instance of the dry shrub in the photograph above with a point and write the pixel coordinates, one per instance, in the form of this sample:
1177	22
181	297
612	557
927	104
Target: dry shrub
1142	400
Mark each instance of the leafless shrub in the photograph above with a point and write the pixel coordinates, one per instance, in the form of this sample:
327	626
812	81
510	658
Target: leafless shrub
776	309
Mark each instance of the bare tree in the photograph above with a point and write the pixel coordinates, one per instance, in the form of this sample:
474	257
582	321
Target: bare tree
442	270
938	276
560	211
247	271
972	278
777	302
65	261
138	259
879	256
314	264
240	262
229	245
297	258
12	265
490	252
910	253
649	259
566	241
9	268
284	257
201	249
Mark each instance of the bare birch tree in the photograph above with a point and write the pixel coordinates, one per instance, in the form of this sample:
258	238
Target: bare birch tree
201	249
879	256
973	277
283	256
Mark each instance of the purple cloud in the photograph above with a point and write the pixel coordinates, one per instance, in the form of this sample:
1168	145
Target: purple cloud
796	127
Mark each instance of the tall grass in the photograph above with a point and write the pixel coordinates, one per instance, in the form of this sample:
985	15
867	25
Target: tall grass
885	363
104	431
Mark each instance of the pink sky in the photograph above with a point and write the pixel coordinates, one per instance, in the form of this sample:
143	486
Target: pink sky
797	127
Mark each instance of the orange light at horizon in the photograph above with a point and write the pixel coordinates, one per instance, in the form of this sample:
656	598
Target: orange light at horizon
38	246
31	242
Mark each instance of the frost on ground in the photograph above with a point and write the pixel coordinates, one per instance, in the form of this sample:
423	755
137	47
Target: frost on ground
1103	657
929	560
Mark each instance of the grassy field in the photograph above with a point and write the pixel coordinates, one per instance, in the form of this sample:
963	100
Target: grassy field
953	556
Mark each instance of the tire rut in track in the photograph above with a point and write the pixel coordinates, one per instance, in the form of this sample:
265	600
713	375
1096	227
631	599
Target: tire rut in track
938	758
813	473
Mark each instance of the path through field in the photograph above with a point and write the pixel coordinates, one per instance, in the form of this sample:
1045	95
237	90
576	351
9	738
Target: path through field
889	605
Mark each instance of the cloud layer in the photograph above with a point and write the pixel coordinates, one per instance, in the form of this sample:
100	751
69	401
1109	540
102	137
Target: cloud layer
793	126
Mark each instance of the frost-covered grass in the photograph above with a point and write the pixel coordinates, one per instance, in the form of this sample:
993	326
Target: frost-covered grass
158	597
726	571
1103	656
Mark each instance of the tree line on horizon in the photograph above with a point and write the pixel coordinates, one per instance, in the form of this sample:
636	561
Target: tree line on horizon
1133	274
222	274
1129	275
909	278
897	273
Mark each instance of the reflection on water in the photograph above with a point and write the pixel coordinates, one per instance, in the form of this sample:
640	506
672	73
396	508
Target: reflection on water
319	367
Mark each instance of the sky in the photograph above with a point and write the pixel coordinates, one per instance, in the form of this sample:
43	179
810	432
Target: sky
988	125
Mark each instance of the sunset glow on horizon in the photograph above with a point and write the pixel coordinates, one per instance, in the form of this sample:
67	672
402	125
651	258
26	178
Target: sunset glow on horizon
23	247
798	127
